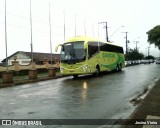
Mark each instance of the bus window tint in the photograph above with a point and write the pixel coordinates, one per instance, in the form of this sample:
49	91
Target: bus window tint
73	52
92	48
110	48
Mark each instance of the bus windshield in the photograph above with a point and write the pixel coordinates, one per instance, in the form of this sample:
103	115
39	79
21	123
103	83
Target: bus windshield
73	52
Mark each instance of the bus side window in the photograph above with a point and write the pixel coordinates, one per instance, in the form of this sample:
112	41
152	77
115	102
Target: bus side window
92	48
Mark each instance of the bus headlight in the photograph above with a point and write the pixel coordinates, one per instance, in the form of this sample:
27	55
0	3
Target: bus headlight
84	68
61	69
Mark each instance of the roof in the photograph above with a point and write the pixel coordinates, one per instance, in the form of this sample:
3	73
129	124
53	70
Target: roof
38	56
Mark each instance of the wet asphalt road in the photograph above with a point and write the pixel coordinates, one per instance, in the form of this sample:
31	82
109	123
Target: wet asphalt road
105	97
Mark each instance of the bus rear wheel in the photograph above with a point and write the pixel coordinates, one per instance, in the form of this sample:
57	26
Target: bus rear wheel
120	67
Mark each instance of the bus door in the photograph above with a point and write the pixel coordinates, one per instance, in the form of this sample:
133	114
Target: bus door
93	57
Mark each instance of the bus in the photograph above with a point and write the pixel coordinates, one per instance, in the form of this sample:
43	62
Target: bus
86	55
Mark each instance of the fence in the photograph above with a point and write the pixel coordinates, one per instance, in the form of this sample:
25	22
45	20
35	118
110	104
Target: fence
31	70
17	67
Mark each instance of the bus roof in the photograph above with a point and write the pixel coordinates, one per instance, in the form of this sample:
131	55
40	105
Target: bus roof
87	38
82	38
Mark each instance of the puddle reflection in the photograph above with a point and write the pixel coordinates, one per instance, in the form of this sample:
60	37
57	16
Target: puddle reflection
84	91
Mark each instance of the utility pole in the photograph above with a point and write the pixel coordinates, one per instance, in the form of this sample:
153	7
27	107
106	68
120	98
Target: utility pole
93	28
50	35
64	27
106	30
75	27
6	39
136	42
136	45
31	31
98	30
126	42
148	49
84	27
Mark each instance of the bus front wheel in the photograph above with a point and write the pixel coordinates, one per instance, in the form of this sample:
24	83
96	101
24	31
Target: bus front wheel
75	76
97	71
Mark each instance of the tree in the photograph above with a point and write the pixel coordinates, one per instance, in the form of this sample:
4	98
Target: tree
133	54
154	36
150	57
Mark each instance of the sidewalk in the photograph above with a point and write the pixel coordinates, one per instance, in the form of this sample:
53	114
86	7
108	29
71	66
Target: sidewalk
25	80
149	108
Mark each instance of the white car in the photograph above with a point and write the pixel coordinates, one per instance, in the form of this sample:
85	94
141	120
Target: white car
147	61
127	63
158	61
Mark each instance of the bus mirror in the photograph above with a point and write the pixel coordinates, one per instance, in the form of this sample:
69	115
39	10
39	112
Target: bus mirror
56	49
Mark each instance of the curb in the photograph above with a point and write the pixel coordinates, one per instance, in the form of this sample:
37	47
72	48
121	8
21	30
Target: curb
25	81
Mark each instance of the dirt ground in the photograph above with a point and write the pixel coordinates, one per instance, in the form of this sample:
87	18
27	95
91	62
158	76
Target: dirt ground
149	106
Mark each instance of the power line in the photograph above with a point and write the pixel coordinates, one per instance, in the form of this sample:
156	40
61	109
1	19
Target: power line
33	19
38	21
115	31
17	26
67	27
27	28
12	14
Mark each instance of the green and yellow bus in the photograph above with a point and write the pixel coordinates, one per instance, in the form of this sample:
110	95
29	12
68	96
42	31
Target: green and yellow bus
87	55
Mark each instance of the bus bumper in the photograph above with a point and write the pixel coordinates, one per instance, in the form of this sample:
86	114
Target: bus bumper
79	71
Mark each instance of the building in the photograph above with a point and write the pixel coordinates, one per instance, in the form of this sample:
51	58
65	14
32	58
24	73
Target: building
25	58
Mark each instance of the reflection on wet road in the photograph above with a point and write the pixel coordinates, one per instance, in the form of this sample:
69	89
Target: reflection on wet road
87	97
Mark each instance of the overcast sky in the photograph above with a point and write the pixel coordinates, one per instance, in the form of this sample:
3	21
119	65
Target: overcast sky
137	17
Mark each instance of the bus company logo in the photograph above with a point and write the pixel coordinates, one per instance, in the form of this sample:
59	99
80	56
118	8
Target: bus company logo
6	122
110	55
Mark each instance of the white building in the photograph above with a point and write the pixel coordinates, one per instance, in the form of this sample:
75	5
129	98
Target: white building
24	58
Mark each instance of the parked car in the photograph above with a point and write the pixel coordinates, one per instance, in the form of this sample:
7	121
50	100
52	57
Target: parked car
137	61
151	60
147	61
128	63
158	61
